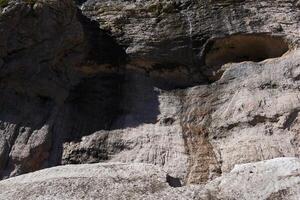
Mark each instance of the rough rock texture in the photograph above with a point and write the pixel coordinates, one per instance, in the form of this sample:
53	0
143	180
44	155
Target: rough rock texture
250	114
192	87
40	45
178	34
109	181
48	95
271	179
158	140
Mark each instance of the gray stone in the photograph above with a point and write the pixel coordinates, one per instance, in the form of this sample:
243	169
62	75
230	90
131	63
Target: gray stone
190	88
272	179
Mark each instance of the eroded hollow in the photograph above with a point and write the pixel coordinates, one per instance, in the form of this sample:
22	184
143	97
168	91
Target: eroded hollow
239	48
173	182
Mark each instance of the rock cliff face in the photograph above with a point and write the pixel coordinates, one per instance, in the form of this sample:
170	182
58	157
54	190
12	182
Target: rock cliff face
196	91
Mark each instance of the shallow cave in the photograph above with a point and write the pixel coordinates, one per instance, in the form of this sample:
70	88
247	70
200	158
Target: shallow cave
92	105
244	47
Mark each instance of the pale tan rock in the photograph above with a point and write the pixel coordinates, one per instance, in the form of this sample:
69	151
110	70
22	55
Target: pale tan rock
272	179
194	89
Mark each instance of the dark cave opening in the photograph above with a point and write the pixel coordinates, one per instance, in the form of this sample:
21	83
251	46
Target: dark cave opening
93	105
173	182
244	47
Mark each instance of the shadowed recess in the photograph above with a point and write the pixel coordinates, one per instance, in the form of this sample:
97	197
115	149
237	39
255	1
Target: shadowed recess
239	48
173	182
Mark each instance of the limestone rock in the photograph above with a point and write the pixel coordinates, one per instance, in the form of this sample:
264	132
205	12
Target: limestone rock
179	33
97	181
272	179
192	89
39	48
250	114
46	86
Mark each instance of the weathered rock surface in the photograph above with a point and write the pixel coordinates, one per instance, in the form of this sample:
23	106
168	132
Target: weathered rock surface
48	95
178	34
271	179
85	180
250	114
40	45
191	88
247	116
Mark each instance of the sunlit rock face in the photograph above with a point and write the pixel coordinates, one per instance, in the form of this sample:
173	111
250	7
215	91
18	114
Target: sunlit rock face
192	88
271	179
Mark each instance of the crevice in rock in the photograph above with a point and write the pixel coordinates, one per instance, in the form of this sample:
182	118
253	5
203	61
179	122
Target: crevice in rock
269	85
167	121
290	119
173	182
258	119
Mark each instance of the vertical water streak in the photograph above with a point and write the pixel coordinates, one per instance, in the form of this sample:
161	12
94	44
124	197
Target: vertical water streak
190	26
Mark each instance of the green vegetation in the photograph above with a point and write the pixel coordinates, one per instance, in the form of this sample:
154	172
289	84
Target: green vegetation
3	3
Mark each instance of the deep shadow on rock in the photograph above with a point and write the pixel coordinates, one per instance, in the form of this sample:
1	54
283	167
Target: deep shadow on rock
101	47
26	137
173	182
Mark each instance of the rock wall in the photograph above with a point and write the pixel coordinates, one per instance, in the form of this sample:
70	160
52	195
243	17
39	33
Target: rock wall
193	87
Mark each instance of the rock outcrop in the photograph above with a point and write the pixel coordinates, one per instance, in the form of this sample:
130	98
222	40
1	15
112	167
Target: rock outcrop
40	44
271	179
185	89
